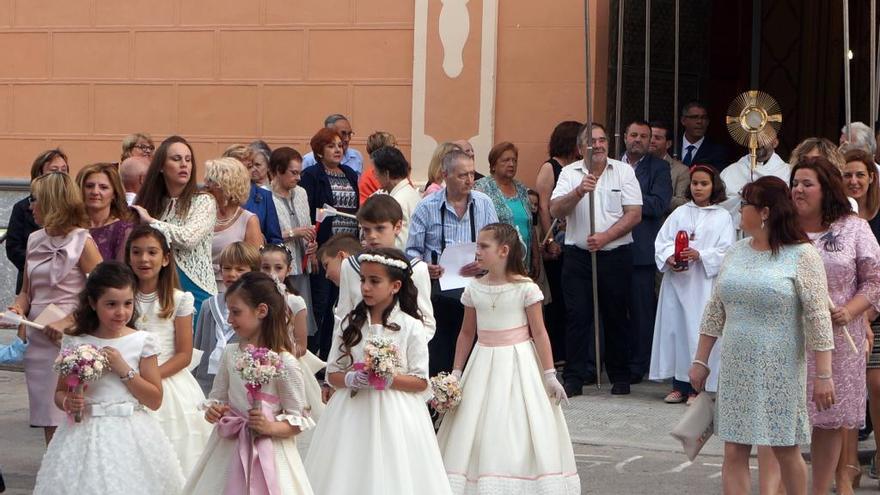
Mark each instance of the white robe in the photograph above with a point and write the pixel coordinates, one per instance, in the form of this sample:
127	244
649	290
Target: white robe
739	173
683	295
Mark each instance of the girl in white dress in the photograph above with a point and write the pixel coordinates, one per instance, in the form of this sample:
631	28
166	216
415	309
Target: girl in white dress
118	448
507	436
276	261
684	293
378	441
166	312
245	434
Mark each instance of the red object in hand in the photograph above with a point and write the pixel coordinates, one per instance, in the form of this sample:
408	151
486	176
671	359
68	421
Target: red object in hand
681	243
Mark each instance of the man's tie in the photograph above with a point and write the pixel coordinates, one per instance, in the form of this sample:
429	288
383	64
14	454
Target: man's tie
689	156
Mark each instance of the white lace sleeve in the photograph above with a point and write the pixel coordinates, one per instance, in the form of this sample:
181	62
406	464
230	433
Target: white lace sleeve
151	346
416	350
220	389
291	393
713	316
812	289
199	223
185	303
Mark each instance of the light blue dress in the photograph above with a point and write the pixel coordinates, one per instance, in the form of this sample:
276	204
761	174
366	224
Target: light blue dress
770	309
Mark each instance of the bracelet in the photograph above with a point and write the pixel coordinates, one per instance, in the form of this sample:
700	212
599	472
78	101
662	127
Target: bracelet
128	376
826	376
703	364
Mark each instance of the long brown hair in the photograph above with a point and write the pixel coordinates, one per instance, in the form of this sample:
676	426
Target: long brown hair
168	280
507	235
107	275
407	296
255	288
872	195
119	206
782	223
834	201
154	191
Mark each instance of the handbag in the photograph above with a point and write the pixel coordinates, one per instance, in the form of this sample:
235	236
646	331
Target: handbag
696	426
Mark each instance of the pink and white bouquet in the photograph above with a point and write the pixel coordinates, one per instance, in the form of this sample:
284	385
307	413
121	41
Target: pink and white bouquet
81	364
381	361
446	391
258	366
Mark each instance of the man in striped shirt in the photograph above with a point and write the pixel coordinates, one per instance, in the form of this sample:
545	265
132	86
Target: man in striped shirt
452	215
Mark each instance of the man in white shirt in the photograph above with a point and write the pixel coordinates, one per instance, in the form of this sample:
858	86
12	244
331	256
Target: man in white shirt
392	172
740	173
618	208
131	172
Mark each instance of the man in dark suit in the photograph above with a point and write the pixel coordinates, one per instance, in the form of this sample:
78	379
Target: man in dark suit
655	182
695	147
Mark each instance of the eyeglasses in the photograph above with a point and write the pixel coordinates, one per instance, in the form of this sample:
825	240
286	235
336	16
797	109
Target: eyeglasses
697	117
346	134
146	148
743	204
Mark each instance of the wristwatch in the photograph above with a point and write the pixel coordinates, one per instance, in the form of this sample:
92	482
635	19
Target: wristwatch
128	376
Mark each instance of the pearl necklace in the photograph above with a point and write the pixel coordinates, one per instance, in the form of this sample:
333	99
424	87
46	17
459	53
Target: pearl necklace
223	222
147	301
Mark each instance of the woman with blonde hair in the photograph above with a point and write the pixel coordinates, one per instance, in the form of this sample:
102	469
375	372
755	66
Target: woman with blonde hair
816	146
259	200
229	182
110	220
59	256
435	168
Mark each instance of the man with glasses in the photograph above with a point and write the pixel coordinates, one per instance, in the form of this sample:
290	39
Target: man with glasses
350	156
138	145
696	148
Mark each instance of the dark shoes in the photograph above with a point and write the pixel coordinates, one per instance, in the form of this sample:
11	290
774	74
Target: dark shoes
620	388
573	389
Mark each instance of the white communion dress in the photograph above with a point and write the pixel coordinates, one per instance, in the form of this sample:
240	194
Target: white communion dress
179	415
379	441
310	365
507	436
224	457
118	448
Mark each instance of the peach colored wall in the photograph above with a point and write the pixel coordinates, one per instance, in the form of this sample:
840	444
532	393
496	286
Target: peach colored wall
83	73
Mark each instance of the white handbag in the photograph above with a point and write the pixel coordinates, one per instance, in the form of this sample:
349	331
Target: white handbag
696	426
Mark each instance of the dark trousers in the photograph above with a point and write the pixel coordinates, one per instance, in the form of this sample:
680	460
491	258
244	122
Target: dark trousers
554	313
642	314
448	312
324	295
614	278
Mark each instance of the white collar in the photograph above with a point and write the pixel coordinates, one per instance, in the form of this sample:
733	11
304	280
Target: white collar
686	143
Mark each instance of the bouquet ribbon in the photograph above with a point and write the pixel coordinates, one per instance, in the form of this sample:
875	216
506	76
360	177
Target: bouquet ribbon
376	381
260	454
254	394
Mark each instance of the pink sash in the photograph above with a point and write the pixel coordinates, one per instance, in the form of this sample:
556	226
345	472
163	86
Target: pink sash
258	452
499	338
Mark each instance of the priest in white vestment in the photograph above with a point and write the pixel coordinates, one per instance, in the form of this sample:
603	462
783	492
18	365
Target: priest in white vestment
740	173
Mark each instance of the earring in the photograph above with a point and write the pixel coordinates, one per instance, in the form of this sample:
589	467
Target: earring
762	224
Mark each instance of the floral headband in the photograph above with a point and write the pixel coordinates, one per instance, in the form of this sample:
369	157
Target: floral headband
378	258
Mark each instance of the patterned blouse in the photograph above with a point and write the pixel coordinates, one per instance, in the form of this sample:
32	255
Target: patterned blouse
489	186
191	238
111	239
293	212
346	201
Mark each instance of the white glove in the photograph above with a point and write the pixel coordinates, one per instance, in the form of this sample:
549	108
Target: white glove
357	380
457	374
553	387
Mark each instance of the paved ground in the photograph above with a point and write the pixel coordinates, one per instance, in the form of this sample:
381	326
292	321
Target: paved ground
622	444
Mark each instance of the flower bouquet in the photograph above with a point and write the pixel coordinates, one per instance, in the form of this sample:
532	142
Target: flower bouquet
446	392
381	361
258	366
80	364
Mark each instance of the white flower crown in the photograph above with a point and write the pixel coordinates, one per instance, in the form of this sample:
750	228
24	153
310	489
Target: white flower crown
378	258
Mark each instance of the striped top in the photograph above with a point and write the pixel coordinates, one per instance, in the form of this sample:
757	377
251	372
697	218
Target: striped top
426	223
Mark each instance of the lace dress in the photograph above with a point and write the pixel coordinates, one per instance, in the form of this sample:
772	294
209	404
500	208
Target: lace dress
179	414
507	436
118	448
852	265
191	237
111	239
217	471
770	309
379	441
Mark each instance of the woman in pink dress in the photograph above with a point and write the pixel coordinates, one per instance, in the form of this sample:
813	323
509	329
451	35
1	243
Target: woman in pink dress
852	265
59	256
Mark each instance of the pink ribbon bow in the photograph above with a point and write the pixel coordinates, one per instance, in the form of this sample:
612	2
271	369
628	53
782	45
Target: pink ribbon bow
258	453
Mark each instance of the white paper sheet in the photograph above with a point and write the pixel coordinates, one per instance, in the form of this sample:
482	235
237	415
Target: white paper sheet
453	259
